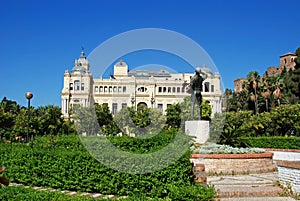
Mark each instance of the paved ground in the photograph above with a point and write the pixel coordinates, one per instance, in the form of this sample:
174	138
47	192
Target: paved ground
258	199
253	187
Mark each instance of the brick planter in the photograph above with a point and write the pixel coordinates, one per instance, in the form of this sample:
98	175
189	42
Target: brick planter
228	164
289	174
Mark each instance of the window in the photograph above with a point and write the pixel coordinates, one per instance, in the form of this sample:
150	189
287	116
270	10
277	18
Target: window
110	89
77	85
115	89
206	86
165	89
124	105
159	89
160	107
168	105
178	89
105	89
174	89
101	89
96	88
182	89
82	86
212	88
71	86
142	89
124	89
114	108
119	89
169	89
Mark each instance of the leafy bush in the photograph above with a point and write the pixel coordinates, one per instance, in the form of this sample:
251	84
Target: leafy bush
281	121
142	122
274	142
62	163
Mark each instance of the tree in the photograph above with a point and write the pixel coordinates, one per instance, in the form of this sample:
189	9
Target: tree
141	122
277	93
266	93
186	112
85	120
49	119
253	87
174	116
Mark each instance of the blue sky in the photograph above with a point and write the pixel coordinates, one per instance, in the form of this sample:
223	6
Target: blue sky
40	39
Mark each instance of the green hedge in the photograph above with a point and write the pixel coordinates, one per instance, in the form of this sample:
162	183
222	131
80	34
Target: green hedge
63	163
274	142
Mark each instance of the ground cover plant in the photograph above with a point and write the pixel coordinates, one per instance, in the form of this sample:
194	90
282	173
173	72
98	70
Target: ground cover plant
61	162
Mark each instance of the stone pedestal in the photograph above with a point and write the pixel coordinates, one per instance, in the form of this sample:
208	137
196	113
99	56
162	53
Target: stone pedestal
199	129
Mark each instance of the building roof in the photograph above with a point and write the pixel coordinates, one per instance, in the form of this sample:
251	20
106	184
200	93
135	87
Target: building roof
289	53
149	73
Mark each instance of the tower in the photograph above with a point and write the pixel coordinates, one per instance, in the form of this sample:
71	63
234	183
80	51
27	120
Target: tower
120	69
77	89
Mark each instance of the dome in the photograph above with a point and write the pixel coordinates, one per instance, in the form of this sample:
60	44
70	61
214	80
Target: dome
78	69
206	70
121	63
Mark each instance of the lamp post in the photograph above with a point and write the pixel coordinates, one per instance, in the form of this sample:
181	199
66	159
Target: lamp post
29	96
152	100
132	100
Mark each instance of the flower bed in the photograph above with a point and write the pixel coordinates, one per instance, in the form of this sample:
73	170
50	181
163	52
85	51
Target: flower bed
222	159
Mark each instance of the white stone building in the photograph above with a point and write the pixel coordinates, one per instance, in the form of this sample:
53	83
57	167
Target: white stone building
153	88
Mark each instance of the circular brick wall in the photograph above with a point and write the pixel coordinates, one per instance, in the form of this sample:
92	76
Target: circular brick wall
229	164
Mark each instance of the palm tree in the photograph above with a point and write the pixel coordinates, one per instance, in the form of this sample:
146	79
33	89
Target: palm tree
277	93
266	93
254	84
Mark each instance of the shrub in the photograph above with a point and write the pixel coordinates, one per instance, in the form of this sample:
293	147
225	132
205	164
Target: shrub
274	142
61	162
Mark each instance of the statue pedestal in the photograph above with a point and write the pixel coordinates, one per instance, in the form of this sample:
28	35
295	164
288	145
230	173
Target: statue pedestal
199	129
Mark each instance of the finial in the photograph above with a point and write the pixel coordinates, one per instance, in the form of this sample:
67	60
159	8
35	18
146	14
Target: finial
82	52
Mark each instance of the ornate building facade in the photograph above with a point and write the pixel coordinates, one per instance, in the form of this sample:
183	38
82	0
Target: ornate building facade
152	88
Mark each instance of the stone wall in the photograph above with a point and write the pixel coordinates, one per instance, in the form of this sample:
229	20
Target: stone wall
289	174
228	164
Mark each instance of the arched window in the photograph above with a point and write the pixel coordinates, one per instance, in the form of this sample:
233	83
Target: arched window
206	86
77	85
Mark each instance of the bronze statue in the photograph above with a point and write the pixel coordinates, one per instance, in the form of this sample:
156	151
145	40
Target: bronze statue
196	89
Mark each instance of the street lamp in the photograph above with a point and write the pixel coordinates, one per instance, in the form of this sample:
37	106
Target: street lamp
152	100
29	96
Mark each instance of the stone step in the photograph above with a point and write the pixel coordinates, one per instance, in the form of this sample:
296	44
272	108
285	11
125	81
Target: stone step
253	185
247	191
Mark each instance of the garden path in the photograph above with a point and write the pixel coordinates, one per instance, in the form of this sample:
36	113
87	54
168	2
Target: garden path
252	187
